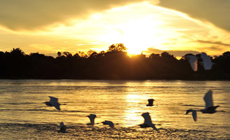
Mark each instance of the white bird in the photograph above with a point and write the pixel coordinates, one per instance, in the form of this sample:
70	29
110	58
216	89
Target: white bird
147	121
192	59
150	102
91	118
110	123
207	63
209	106
53	102
62	128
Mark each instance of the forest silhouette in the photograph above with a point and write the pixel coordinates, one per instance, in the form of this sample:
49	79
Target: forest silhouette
113	64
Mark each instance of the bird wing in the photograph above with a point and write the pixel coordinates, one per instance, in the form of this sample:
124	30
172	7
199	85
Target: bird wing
207	63
108	123
194	115
148	119
91	118
192	61
208	99
54	102
53	99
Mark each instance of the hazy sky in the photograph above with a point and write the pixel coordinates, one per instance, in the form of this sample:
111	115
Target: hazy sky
149	26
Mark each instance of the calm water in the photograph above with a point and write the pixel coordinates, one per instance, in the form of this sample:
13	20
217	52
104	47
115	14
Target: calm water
123	102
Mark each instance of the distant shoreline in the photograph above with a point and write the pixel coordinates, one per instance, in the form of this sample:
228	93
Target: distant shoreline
123	79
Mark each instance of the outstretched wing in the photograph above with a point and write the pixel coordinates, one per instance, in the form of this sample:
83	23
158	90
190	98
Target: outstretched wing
111	124
194	115
208	99
192	59
91	118
54	102
147	118
207	63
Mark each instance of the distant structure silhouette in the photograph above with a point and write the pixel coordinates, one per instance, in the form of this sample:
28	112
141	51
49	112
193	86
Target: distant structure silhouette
150	102
209	106
147	121
91	118
62	128
53	102
207	63
110	123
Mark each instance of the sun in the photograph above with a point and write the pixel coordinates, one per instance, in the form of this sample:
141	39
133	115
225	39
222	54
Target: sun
137	32
138	35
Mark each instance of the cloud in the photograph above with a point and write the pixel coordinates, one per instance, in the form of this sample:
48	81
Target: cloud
33	14
176	53
213	42
213	11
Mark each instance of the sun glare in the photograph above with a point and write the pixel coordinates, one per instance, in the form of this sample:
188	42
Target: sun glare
137	35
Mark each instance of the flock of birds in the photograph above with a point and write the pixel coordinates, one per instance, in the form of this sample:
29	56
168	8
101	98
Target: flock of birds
193	61
208	98
147	118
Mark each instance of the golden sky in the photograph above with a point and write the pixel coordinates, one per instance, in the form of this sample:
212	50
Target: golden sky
148	26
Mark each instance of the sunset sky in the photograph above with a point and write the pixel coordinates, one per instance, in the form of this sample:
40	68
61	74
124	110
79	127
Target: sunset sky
148	26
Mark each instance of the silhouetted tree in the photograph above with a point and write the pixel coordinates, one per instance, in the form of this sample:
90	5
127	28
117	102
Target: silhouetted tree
119	47
112	64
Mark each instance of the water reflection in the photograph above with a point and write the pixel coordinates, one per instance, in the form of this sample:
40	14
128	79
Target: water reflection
122	102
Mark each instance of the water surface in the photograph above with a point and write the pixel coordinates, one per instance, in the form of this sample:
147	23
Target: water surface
123	102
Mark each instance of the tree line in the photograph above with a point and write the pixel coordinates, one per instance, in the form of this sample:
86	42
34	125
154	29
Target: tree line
111	64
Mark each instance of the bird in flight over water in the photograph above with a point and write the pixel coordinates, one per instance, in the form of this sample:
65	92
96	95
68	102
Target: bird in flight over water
147	121
91	118
207	63
150	102
53	102
209	106
192	59
110	123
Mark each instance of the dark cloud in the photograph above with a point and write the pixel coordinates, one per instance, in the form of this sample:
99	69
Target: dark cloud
177	53
32	14
213	42
214	11
214	48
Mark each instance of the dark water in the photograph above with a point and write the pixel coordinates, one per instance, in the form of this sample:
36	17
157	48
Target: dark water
123	102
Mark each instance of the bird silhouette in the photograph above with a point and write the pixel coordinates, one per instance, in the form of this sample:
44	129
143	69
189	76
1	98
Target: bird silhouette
62	128
150	102
91	118
147	121
207	63
192	59
53	102
209	106
110	123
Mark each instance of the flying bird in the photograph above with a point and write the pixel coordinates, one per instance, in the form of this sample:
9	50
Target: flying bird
53	102
209	106
207	63
91	118
147	121
192	59
150	102
110	123
62	128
